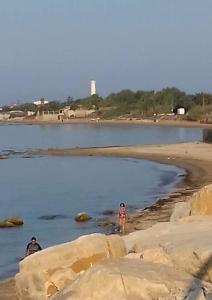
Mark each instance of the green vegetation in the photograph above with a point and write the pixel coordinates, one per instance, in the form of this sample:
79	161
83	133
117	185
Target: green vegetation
134	104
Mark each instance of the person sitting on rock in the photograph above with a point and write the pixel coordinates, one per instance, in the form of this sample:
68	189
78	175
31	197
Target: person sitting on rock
32	247
122	217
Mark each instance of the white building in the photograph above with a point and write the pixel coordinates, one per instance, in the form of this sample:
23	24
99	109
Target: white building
40	102
181	111
92	87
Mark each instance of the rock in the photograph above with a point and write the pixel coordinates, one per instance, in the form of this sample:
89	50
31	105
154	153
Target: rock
15	220
186	245
82	217
201	202
60	278
52	217
5	224
108	212
131	279
104	222
11	222
47	271
181	210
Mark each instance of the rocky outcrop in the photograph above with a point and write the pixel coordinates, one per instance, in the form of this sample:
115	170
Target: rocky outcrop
185	245
132	279
200	203
82	217
11	222
48	271
181	210
169	261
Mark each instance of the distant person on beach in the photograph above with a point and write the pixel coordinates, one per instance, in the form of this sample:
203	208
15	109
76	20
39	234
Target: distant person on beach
32	247
122	217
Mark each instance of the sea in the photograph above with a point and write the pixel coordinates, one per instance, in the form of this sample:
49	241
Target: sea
48	191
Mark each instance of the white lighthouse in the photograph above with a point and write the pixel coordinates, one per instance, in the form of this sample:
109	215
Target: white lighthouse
92	87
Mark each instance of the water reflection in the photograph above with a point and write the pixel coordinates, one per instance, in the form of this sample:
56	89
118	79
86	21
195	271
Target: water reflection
207	135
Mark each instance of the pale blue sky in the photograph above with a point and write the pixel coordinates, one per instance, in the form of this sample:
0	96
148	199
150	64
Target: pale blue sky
52	48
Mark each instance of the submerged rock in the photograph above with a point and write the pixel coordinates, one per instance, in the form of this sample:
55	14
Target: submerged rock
52	217
108	212
104	222
11	222
82	217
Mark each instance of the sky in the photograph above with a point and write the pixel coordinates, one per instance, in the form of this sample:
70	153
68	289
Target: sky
52	48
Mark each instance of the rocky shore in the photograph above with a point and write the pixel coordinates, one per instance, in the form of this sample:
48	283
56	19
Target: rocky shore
170	260
138	259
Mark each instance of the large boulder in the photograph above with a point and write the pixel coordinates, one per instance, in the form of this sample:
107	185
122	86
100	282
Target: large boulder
11	222
186	245
44	273
82	217
132	279
200	203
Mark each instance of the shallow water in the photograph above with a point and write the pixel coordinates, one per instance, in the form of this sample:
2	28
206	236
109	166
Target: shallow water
38	187
42	186
87	135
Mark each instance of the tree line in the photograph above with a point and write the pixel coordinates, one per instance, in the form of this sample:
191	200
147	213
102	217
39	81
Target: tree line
133	103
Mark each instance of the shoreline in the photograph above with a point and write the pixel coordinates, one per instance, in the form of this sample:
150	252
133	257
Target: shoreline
147	122
198	173
186	156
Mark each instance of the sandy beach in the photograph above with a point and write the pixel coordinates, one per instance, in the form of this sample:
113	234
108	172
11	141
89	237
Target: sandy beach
7	289
195	158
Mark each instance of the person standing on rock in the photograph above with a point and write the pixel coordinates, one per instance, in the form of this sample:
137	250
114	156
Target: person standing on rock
122	217
32	247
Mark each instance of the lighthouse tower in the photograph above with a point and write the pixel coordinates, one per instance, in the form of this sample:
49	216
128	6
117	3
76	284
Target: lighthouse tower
92	87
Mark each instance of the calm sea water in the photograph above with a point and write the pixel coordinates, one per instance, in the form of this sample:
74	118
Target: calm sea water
81	135
63	186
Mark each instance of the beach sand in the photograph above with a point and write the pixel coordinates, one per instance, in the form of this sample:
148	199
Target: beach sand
195	158
7	289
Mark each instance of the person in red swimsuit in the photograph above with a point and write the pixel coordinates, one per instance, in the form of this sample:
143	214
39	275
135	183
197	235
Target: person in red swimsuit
122	217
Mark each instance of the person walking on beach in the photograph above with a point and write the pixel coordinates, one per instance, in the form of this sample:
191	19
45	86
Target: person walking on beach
32	247
122	217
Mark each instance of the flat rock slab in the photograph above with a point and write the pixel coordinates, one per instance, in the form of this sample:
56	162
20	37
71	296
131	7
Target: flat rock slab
131	279
186	245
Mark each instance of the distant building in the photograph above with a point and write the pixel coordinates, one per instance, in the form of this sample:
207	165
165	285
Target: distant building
92	87
17	114
181	111
41	102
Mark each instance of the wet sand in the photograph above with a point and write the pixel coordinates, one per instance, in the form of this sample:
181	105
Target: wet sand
195	158
7	289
